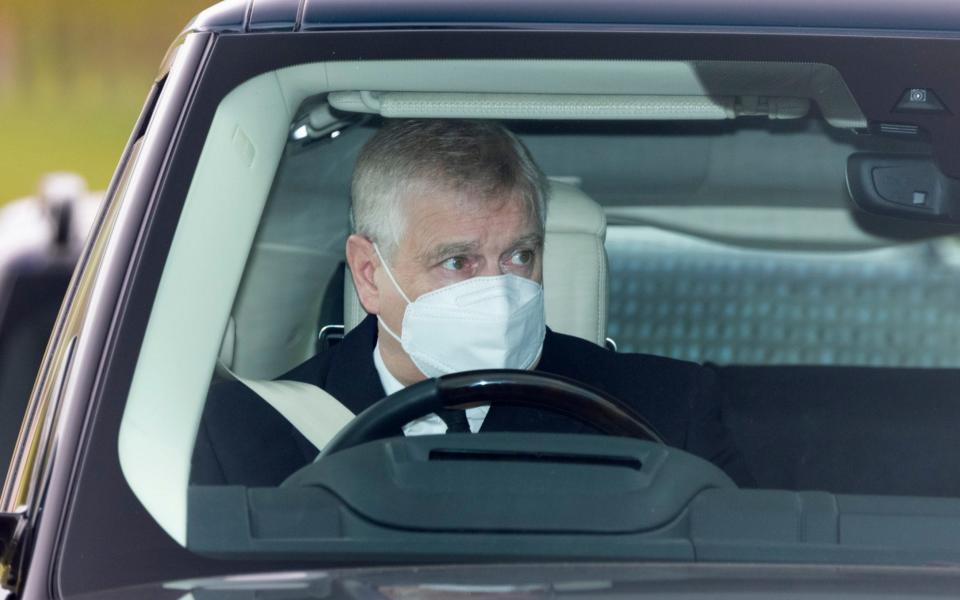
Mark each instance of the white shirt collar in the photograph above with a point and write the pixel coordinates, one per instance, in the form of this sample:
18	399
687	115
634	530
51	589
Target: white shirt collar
390	383
429	424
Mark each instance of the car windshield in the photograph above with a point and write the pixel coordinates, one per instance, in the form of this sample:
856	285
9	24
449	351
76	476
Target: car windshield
743	347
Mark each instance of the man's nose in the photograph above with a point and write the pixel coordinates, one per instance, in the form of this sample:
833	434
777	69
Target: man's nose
491	268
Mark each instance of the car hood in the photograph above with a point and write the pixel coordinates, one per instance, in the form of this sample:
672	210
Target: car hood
566	581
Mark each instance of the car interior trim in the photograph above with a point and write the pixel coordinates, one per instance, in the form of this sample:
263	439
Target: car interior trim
453	105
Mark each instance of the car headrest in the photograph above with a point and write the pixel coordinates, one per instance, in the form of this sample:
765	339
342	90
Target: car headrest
574	268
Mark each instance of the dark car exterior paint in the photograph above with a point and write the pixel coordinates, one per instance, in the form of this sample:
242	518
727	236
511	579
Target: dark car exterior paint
546	581
44	474
307	15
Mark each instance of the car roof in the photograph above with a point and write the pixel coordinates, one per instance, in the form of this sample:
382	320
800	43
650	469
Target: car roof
247	16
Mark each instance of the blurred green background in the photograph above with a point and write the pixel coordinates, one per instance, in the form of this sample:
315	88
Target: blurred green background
73	78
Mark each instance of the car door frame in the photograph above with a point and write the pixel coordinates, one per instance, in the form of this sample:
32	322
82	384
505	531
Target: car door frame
46	456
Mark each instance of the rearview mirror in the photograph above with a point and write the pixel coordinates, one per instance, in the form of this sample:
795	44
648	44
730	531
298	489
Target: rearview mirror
905	186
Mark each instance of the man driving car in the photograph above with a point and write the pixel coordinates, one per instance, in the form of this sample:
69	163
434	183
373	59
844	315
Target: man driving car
446	257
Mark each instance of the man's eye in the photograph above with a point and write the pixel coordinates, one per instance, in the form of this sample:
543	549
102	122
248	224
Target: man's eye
456	263
522	258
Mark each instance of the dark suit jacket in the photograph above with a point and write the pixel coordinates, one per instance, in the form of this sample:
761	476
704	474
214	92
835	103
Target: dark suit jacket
243	440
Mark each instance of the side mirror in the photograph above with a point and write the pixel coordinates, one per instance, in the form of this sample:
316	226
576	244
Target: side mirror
904	186
12	526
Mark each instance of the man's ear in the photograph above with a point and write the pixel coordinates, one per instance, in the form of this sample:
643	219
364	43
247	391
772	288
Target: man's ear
363	262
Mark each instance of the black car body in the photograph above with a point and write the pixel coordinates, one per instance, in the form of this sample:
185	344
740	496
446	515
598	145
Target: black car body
73	524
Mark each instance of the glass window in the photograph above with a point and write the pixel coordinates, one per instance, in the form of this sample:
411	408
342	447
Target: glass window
705	272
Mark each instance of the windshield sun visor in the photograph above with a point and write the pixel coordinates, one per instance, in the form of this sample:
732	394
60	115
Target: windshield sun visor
596	90
566	106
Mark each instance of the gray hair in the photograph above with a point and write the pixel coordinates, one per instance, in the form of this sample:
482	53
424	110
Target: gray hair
406	158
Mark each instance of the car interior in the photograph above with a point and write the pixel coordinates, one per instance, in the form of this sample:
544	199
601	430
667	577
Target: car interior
699	210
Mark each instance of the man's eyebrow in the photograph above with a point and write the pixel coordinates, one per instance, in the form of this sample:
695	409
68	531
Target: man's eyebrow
446	250
531	239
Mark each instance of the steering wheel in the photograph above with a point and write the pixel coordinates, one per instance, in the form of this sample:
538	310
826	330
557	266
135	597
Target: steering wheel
494	387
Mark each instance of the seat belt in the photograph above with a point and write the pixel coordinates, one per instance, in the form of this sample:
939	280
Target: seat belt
311	410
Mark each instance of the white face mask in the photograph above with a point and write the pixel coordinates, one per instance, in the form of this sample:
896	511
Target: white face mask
493	322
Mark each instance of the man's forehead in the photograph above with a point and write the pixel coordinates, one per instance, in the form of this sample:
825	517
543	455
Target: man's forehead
455	225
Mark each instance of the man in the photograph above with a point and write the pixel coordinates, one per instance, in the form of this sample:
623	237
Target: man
446	257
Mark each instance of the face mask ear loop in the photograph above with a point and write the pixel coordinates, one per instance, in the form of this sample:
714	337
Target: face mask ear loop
390	331
376	249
